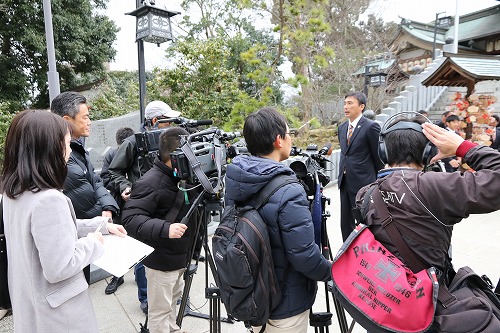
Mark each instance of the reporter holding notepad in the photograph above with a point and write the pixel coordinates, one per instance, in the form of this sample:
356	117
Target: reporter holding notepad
47	246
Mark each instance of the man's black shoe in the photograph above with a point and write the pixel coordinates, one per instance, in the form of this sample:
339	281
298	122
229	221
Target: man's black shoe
113	285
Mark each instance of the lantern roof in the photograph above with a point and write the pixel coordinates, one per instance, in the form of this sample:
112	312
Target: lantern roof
148	8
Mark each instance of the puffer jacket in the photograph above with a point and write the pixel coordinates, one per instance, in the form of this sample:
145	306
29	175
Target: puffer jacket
84	187
143	216
127	165
426	205
297	259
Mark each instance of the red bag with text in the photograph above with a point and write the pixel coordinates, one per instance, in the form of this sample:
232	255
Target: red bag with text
378	290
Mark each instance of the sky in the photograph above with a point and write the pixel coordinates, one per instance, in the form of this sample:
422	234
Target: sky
389	10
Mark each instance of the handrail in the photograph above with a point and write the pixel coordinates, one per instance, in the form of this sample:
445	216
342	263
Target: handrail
436	98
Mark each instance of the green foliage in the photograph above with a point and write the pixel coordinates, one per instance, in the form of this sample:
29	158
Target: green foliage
117	95
252	52
6	117
83	40
200	85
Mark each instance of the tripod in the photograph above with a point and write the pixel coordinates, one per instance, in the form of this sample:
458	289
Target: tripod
321	320
205	204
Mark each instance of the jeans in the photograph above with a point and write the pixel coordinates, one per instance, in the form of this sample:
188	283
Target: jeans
142	282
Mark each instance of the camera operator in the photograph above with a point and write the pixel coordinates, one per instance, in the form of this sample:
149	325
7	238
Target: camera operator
297	259
150	215
426	205
128	166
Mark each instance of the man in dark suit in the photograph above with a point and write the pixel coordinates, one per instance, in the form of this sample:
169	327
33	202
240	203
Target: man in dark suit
359	160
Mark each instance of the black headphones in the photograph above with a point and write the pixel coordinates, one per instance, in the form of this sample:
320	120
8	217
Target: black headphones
429	150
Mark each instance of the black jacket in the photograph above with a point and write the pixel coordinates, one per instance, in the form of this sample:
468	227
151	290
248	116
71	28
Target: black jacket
84	187
127	165
143	216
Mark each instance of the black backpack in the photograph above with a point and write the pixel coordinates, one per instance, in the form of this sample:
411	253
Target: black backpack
247	282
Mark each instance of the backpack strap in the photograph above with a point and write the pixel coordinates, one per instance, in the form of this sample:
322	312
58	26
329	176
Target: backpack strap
270	188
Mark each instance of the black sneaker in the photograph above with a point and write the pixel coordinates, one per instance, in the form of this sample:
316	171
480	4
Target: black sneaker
113	285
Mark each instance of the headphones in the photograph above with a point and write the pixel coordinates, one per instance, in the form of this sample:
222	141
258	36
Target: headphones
406	124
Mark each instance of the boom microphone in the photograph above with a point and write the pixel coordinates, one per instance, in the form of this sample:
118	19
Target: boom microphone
326	148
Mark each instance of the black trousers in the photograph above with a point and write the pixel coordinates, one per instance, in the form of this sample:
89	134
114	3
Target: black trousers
347	203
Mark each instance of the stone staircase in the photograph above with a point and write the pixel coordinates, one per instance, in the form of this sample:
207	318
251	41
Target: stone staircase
445	100
417	97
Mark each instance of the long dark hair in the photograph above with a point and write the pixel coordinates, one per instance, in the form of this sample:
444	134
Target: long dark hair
34	153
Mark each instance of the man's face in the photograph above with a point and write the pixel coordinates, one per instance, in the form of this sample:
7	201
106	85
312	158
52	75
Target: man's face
160	125
493	122
352	108
81	122
286	145
454	125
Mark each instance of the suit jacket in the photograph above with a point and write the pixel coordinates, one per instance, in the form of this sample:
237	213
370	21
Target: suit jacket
359	161
47	251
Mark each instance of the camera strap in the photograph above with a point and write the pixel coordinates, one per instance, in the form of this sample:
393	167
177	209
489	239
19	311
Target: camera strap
196	165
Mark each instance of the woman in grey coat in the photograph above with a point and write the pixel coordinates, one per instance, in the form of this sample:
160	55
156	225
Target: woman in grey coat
47	247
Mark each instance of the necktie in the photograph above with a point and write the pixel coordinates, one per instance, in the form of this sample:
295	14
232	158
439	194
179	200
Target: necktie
349	134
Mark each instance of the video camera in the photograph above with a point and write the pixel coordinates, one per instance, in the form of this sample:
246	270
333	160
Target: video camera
309	166
203	154
148	142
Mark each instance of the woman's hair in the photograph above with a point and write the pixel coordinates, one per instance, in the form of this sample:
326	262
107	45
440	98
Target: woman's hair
34	153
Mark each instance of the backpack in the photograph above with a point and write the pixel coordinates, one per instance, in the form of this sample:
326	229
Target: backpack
242	252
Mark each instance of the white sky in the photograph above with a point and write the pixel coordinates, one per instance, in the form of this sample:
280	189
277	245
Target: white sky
389	10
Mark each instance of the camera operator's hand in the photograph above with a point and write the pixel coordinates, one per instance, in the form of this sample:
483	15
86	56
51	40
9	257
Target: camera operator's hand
177	230
126	194
446	141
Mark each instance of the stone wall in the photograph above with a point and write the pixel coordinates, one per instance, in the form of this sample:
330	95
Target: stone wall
103	135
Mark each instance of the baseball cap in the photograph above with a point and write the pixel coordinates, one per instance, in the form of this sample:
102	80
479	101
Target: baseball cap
157	109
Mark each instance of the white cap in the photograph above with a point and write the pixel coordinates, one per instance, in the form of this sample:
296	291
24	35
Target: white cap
157	109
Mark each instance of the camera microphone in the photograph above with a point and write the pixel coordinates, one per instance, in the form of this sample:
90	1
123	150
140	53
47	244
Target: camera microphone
186	122
200	122
326	148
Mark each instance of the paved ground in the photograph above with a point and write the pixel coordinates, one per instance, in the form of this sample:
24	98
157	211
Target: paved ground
475	243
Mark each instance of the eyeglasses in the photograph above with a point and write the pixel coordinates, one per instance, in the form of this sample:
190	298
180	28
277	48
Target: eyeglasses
292	134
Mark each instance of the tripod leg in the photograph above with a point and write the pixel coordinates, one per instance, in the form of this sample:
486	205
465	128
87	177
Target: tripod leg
188	278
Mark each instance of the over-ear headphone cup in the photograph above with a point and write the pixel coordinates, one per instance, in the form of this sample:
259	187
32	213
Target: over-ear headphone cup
382	150
430	151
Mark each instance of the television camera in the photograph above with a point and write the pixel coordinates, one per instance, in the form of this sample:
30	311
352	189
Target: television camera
310	164
148	141
203	154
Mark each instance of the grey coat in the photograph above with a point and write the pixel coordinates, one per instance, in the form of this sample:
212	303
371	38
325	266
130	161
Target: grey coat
47	250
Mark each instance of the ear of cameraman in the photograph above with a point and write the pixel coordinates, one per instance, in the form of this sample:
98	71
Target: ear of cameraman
144	215
426	205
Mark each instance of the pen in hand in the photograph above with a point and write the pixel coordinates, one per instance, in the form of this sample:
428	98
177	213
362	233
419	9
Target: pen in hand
103	222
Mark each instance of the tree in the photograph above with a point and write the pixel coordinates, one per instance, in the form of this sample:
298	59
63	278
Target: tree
83	40
200	84
117	95
251	51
